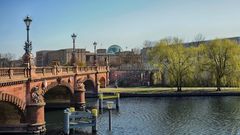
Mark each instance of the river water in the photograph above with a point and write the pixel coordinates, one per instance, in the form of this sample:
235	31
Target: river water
166	116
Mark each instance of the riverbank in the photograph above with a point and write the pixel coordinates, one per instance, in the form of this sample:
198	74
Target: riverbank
172	92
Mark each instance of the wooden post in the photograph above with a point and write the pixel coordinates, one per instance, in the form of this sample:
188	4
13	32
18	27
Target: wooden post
94	120
100	101
66	122
118	101
110	119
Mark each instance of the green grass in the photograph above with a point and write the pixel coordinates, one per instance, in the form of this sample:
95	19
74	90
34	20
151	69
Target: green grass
149	90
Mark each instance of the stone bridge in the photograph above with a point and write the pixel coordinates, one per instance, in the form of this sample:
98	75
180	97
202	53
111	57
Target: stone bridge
23	90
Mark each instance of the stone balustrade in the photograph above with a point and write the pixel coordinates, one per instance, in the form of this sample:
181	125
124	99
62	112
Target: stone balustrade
35	72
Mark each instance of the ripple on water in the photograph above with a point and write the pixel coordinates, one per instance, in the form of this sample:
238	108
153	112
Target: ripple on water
174	116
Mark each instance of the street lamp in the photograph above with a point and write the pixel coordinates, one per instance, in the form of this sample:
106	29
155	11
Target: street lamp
95	53
27	57
74	36
95	46
27	21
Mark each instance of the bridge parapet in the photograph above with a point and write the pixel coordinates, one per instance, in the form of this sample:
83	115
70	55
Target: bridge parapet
102	68
13	73
51	71
23	73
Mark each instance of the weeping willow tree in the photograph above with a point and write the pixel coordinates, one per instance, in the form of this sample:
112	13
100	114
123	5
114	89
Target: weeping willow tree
172	58
200	75
215	63
221	58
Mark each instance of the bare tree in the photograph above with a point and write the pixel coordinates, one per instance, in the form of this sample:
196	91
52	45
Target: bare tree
9	56
5	59
147	43
198	39
136	50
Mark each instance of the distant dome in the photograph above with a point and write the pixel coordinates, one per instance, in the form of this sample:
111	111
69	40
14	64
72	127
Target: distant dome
113	49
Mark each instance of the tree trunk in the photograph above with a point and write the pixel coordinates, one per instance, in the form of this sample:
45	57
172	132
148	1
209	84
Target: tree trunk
219	84
179	85
179	88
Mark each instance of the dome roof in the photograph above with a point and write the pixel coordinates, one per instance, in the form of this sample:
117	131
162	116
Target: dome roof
113	49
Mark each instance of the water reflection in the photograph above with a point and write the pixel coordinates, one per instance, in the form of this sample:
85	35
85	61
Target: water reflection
174	116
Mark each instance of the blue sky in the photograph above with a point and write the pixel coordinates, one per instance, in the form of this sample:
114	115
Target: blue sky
127	23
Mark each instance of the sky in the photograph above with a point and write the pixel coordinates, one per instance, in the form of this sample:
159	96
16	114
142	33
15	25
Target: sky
127	23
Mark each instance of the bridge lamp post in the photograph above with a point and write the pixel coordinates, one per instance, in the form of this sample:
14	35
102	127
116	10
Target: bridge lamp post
27	21
95	53
27	57
74	36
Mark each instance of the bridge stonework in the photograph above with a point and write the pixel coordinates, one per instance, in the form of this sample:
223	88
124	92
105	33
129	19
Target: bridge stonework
25	89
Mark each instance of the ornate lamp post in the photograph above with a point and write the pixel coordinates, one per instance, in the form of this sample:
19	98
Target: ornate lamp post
27	57
73	60
95	53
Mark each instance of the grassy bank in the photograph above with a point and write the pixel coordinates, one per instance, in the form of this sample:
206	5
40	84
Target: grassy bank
171	90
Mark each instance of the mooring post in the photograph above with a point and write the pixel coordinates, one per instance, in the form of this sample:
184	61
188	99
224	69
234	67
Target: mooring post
118	101
66	121
110	106
110	120
94	120
100	102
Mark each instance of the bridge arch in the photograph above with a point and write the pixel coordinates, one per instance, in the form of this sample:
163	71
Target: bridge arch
5	97
102	82
63	83
12	109
89	86
58	94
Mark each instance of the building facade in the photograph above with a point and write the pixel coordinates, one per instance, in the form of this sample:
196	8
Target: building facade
127	67
63	56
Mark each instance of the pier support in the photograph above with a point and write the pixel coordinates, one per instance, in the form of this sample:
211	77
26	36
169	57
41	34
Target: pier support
79	93
36	118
